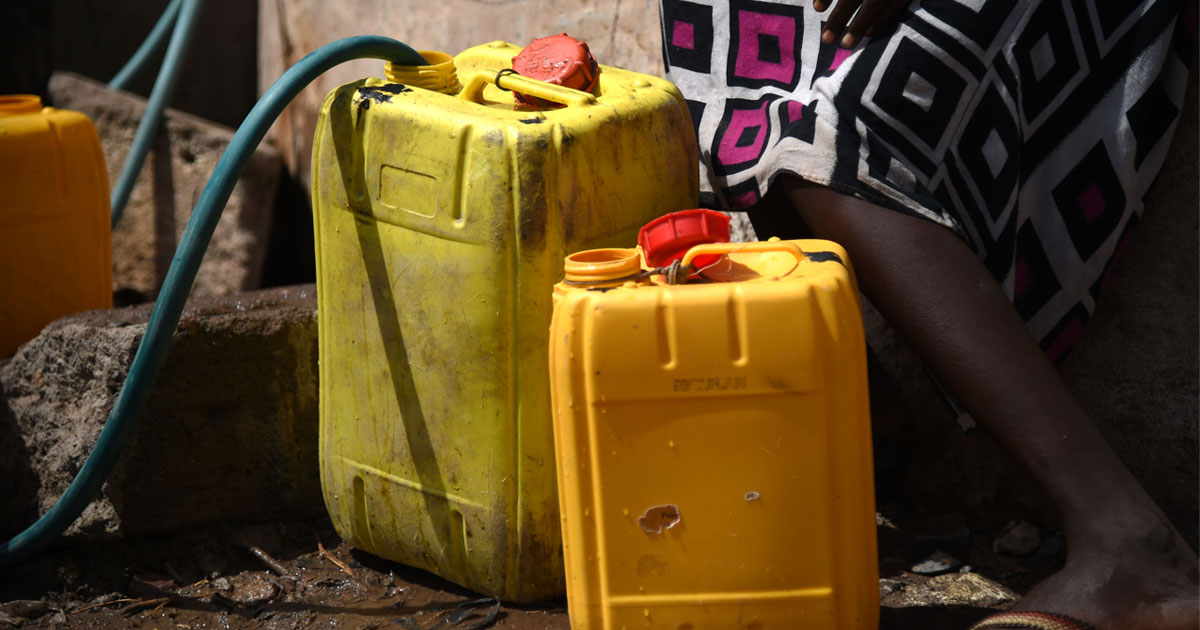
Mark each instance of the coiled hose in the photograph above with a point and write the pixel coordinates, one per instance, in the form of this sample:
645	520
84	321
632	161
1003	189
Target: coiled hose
165	317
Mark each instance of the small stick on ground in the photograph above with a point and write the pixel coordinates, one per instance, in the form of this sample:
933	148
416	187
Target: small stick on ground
144	604
332	558
272	563
99	604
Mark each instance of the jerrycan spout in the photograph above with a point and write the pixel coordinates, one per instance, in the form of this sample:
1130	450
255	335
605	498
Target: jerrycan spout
602	268
439	75
13	104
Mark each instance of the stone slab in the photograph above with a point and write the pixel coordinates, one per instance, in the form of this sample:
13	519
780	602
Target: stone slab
176	171
229	433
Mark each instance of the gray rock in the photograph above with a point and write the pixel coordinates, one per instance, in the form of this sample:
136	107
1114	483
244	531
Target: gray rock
257	589
937	563
957	589
229	432
175	172
1018	538
887	587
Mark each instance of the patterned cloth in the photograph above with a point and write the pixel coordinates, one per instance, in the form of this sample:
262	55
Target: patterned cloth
1034	129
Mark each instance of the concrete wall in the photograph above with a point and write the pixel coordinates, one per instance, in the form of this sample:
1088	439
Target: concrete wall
218	82
623	33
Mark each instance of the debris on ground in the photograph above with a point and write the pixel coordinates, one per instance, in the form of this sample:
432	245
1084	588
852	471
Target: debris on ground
293	575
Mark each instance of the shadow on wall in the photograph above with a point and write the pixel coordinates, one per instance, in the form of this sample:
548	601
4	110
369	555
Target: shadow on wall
96	38
219	79
25	47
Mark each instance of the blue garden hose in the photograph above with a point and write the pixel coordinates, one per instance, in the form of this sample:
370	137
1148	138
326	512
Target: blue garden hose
165	317
157	103
150	47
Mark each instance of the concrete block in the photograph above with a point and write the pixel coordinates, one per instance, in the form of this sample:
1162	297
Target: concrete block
229	433
175	173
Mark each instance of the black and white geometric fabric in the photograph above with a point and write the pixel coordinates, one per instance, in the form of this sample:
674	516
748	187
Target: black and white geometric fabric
1032	128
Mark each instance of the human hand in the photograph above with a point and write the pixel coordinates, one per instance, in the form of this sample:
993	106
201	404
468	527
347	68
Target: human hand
869	16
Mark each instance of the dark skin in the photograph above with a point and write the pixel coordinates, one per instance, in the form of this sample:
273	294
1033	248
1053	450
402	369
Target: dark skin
1127	567
851	20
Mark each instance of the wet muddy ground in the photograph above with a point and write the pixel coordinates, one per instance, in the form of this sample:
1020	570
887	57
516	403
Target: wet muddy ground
285	576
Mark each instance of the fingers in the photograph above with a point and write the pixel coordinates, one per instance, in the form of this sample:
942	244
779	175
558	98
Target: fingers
836	23
868	17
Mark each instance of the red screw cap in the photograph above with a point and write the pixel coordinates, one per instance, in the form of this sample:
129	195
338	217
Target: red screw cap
558	59
667	238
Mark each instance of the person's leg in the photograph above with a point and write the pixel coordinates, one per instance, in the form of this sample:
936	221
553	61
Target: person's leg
773	216
1127	567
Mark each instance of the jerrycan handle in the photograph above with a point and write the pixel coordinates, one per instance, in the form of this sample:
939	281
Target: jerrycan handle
771	245
513	82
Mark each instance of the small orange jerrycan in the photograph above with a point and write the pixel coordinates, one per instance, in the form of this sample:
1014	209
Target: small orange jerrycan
713	440
55	240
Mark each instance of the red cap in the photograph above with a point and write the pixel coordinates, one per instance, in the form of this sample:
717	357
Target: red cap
669	237
558	59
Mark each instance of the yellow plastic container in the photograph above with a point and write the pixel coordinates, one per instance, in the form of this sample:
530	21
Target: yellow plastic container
441	222
55	242
713	444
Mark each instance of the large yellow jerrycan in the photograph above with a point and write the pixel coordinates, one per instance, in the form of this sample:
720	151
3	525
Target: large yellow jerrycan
713	442
442	217
55	240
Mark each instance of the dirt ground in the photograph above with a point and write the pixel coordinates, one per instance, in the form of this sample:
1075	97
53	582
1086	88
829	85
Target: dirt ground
286	576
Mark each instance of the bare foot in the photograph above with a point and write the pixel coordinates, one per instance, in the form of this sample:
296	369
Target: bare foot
1148	581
